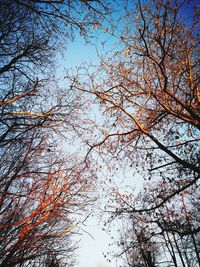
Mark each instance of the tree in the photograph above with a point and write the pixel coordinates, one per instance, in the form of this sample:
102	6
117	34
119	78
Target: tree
168	236
148	94
40	187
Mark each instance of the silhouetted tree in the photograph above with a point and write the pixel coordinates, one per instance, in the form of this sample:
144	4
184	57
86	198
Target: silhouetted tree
40	187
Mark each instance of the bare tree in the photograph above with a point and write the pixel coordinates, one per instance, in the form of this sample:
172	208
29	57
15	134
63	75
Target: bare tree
40	187
147	91
168	236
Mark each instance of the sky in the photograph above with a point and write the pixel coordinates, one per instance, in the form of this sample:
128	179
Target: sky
92	246
93	241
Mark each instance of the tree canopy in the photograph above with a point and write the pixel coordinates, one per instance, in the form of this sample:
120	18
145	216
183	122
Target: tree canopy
41	187
145	90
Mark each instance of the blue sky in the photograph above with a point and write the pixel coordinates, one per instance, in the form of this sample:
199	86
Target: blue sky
92	245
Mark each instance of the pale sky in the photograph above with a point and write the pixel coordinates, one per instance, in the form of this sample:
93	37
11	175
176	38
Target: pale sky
92	245
90	253
91	249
